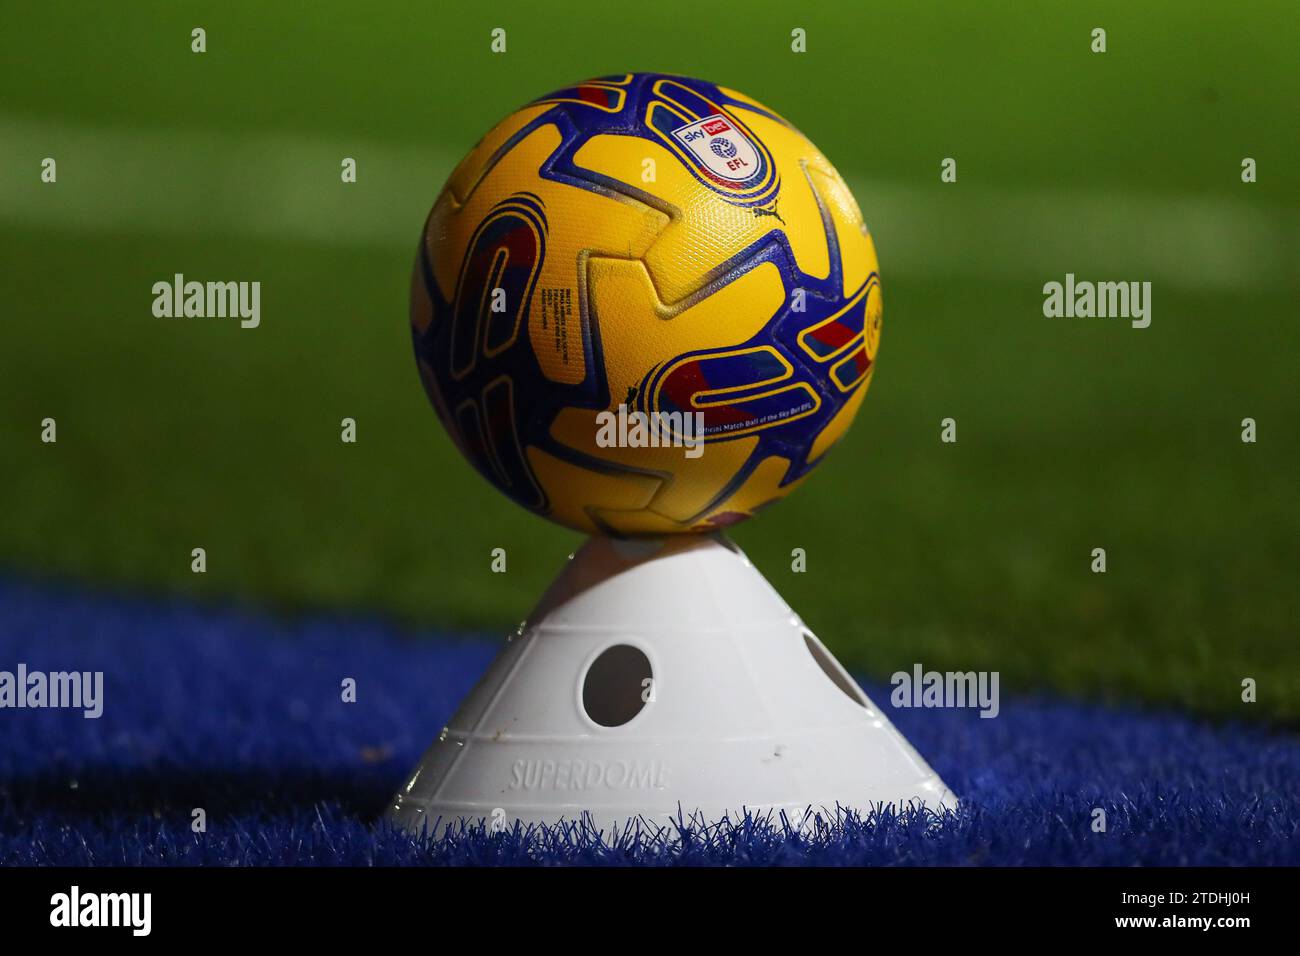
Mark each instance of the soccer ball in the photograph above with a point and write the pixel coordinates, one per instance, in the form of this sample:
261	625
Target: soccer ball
645	304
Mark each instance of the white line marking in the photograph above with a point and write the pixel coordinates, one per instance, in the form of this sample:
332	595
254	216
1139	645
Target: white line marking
194	182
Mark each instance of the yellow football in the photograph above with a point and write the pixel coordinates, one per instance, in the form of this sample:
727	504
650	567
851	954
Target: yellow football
645	304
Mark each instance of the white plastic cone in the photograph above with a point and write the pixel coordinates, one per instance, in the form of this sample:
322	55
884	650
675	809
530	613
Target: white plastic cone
733	704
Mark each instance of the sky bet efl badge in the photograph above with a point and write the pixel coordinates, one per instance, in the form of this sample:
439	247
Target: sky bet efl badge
720	148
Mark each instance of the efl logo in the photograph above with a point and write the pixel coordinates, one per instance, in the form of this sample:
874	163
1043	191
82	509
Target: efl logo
723	151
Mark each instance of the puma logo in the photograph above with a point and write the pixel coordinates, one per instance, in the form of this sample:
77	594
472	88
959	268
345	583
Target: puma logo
768	211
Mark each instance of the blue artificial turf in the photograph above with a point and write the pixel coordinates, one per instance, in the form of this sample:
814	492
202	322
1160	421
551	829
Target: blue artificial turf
240	713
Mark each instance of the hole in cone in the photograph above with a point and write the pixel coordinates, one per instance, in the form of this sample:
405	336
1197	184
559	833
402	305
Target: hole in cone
833	669
617	685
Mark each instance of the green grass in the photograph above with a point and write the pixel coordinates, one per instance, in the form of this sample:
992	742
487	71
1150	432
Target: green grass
1072	434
